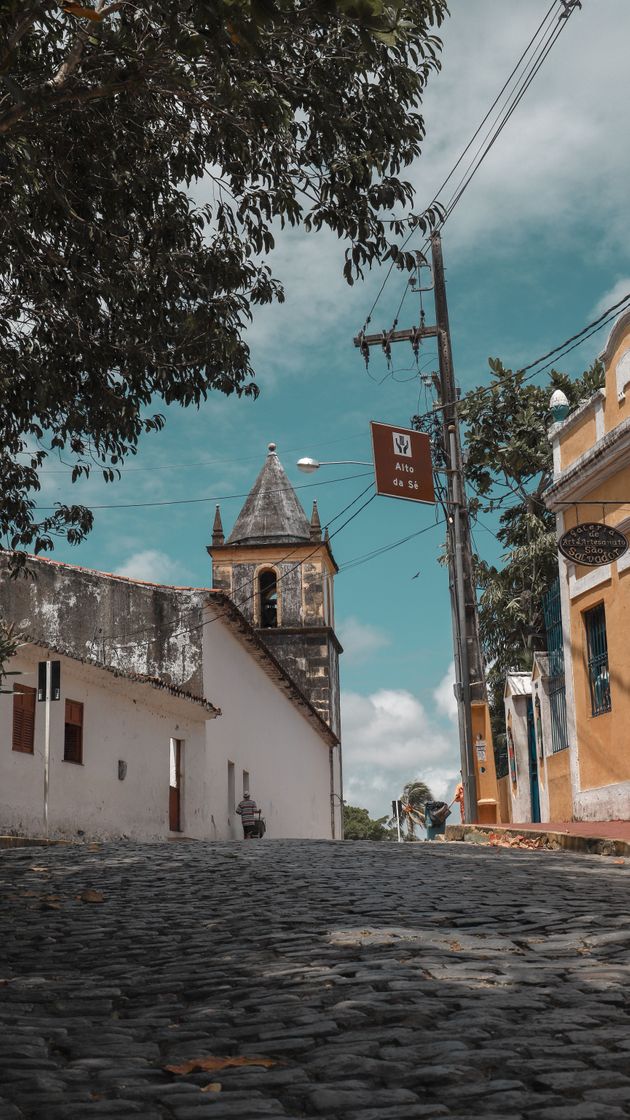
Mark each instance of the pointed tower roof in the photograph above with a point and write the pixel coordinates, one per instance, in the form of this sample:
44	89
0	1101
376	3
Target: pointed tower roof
218	536
272	513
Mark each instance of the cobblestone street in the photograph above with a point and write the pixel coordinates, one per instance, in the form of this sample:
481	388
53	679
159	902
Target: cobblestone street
378	980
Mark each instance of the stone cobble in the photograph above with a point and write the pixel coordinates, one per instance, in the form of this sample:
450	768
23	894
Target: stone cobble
377	981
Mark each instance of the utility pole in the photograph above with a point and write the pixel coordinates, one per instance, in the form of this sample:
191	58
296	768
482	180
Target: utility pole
469	671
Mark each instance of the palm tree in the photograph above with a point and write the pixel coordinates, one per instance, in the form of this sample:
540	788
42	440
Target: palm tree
414	796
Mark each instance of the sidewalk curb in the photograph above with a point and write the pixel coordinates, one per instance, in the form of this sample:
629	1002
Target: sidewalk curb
29	842
589	845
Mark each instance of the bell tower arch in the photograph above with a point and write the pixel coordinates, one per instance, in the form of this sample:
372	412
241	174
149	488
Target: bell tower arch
279	570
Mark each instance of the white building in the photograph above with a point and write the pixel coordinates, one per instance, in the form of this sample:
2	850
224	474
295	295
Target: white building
180	702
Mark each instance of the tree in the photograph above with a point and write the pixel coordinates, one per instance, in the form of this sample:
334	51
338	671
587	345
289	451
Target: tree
414	797
508	466
121	288
358	825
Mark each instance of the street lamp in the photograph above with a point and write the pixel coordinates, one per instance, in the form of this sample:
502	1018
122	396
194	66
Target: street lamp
309	465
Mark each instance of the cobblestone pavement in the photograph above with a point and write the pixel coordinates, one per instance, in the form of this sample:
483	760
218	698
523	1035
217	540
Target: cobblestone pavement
382	981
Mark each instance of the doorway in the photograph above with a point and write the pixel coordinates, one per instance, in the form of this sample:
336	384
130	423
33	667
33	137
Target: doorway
175	786
533	762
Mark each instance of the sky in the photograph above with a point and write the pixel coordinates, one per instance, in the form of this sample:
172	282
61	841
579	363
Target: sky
537	247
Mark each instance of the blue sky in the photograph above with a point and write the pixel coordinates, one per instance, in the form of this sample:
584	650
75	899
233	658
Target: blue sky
538	243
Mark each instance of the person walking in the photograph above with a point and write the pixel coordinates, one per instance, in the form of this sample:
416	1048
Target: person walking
459	797
247	809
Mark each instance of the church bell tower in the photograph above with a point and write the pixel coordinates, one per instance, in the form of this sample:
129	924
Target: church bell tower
279	571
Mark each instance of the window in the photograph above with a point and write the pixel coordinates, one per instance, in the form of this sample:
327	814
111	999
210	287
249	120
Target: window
268	592
245	782
539	730
23	718
557	688
73	732
597	659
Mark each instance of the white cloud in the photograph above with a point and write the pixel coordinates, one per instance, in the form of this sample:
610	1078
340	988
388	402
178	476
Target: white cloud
388	739
560	164
444	695
359	639
153	566
612	296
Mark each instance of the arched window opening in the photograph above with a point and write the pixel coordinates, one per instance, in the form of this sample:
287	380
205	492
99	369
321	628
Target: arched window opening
268	591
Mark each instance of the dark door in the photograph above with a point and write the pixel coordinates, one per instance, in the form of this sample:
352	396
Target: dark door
533	763
175	787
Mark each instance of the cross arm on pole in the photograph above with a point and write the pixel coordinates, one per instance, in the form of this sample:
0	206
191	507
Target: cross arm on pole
384	339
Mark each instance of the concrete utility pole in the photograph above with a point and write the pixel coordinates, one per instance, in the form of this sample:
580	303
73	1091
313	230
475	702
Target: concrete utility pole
470	685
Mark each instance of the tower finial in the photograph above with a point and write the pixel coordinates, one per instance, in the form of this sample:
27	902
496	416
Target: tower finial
272	448
218	536
316	528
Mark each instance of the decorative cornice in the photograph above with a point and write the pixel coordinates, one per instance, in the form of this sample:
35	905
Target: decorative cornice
594	466
620	328
557	430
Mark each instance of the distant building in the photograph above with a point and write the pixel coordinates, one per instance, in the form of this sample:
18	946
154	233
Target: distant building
591	483
178	685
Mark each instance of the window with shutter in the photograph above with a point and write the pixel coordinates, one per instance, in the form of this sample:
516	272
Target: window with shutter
73	732
23	718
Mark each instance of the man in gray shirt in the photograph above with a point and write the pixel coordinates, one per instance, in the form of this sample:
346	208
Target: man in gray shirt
247	809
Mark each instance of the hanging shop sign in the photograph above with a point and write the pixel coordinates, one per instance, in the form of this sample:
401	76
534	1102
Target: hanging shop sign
402	463
592	544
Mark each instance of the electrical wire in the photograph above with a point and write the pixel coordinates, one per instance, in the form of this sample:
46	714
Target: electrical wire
283	575
194	465
216	498
357	561
551	34
148	629
517	96
556	354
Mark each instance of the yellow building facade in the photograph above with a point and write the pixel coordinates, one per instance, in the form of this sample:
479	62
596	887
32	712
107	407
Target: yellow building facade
591	451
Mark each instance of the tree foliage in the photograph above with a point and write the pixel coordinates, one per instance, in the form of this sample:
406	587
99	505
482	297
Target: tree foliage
149	155
508	466
358	825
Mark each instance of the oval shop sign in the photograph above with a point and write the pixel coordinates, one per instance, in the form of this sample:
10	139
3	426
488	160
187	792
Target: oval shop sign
592	544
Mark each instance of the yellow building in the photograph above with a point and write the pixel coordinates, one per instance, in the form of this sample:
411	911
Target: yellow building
591	454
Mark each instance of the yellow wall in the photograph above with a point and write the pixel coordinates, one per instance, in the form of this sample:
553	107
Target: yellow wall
603	755
615	411
559	779
485	771
579	437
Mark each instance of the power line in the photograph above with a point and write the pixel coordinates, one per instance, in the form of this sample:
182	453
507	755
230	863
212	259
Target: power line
357	561
541	51
516	97
283	560
215	498
241	602
179	465
556	353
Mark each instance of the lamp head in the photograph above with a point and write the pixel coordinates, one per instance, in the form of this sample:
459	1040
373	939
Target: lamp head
308	465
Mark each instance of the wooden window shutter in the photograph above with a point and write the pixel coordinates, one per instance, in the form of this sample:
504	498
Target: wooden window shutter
73	732
24	718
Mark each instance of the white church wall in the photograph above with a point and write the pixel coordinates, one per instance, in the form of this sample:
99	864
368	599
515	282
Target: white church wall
261	732
123	720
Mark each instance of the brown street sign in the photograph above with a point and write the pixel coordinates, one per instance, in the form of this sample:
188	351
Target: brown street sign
402	463
592	544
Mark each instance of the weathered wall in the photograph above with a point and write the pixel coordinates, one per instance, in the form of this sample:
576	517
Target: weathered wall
261	732
505	800
559	782
140	627
540	689
122	720
516	715
311	658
